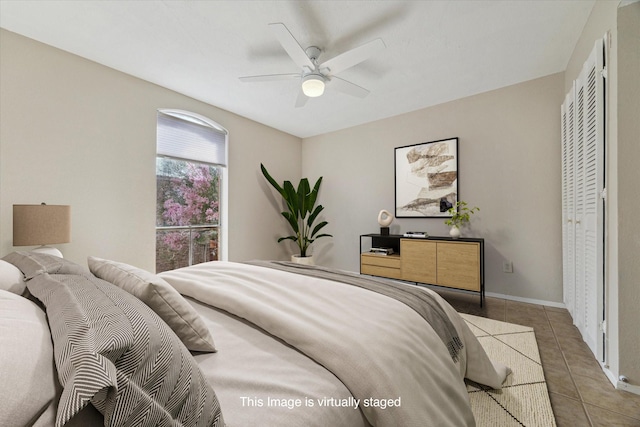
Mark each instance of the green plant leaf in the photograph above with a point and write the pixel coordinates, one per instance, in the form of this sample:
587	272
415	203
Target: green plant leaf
322	235
318	227
292	220
291	198
314	214
272	181
314	194
303	197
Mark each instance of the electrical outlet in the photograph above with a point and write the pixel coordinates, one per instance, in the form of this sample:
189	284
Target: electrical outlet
507	267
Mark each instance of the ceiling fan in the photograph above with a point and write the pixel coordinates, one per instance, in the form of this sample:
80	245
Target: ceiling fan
313	75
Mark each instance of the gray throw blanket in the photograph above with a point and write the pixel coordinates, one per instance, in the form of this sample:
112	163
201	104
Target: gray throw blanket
417	299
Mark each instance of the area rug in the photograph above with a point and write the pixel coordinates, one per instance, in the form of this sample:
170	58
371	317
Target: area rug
524	398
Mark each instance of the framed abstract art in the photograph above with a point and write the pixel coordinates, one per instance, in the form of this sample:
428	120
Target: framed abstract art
426	178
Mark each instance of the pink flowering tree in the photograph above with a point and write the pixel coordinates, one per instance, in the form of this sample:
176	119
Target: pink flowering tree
188	194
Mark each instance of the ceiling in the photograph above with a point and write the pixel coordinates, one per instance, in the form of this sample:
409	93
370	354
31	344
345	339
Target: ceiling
436	51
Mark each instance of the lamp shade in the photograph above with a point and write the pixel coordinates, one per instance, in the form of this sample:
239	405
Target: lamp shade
41	224
313	85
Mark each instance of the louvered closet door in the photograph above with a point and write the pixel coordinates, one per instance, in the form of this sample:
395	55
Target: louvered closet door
568	202
579	317
591	223
582	202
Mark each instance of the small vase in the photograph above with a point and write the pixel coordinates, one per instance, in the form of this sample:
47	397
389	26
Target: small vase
306	260
454	232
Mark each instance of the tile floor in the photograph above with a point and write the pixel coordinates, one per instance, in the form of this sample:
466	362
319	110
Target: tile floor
580	393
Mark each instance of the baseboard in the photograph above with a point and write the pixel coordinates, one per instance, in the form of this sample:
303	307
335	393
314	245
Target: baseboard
612	378
628	387
527	300
619	385
501	296
495	295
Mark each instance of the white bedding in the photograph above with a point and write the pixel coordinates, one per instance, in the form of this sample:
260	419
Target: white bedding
252	364
376	346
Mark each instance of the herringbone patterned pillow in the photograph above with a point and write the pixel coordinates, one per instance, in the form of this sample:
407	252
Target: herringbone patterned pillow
115	352
161	297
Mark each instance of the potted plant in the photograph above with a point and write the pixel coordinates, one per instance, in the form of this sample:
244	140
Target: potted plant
301	213
460	216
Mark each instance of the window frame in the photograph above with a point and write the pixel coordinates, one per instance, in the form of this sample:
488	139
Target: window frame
201	120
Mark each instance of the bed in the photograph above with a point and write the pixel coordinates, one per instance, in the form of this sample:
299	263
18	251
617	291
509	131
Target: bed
225	343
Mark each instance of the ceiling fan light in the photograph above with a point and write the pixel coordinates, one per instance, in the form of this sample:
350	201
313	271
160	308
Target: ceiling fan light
313	85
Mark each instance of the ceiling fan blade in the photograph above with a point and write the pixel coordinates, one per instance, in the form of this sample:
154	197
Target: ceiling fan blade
352	57
269	77
291	45
301	100
347	87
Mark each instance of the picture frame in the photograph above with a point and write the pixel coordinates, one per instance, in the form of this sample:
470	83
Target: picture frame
426	179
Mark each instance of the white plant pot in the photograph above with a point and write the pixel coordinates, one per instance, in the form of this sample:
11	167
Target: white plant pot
454	232
306	260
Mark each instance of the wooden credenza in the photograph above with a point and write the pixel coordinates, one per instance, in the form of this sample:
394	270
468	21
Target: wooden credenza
441	261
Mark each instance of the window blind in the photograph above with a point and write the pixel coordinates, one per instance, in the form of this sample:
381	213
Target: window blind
189	137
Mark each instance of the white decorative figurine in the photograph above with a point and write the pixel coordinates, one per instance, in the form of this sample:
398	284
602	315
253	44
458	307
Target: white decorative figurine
384	219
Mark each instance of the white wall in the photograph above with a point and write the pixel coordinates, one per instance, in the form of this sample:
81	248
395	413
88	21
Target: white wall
75	132
509	166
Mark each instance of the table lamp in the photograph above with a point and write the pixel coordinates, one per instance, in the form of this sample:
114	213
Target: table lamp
41	225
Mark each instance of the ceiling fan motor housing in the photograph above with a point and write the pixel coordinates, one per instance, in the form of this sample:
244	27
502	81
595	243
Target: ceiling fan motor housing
313	52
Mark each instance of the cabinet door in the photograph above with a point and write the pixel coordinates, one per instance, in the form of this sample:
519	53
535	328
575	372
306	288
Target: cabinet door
459	265
418	260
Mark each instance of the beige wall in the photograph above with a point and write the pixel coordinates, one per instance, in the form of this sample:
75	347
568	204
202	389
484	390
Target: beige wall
75	132
628	181
509	166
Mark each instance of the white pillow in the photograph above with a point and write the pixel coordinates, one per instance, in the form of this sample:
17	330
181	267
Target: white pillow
161	297
27	374
11	278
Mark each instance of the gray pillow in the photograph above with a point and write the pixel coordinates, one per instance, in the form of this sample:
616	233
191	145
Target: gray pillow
115	352
161	297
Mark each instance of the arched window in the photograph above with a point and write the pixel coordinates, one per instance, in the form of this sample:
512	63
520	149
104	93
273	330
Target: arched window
191	190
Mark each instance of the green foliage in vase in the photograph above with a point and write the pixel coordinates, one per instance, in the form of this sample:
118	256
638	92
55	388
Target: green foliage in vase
301	211
460	214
